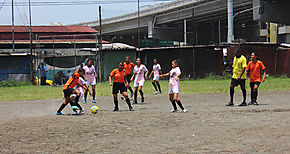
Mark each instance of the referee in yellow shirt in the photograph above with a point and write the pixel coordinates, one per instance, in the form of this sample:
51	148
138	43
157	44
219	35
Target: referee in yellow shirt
239	77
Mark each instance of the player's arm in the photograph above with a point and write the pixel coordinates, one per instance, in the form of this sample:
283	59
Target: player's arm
150	74
146	74
110	80
166	74
264	75
243	71
95	75
84	77
126	83
132	76
160	71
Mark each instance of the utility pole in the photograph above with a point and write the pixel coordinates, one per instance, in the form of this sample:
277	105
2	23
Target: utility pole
100	44
13	43
139	55
230	21
30	46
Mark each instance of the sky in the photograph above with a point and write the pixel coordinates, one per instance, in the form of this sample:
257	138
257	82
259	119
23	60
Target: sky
45	14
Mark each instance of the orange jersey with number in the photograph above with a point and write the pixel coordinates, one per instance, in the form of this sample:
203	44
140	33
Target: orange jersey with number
128	67
72	81
119	76
255	70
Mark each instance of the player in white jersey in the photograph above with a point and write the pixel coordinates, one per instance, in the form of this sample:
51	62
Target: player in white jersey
138	72
174	84
156	71
91	76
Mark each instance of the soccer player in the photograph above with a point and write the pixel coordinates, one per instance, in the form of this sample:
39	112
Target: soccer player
139	71
128	66
120	84
80	88
43	71
174	85
157	71
91	76
254	69
239	77
68	90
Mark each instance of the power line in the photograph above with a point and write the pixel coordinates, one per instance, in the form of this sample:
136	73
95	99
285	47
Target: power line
57	3
20	15
2	5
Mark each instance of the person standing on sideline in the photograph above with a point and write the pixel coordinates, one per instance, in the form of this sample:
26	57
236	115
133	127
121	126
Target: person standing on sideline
239	77
255	69
43	71
174	85
128	66
120	84
139	71
157	71
91	76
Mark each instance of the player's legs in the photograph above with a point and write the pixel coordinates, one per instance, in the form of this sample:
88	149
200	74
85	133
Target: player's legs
232	91
125	94
243	88
159	87
86	93
94	93
115	97
155	87
67	93
141	93
128	77
77	98
171	96
136	85
177	100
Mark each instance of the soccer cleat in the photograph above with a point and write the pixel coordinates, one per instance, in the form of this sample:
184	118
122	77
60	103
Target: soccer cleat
82	111
59	113
256	103
122	98
135	102
131	109
160	92
75	112
84	102
184	110
251	103
230	104
74	107
243	104
174	110
116	109
156	92
142	100
94	101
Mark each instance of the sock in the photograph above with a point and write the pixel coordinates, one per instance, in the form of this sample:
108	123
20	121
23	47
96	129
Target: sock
174	105
130	89
135	96
85	96
244	94
141	93
79	106
180	105
116	103
94	94
72	103
77	99
255	95
128	102
158	85
61	107
153	83
252	95
232	91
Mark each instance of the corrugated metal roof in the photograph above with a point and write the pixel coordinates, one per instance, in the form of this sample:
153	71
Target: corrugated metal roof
51	41
48	29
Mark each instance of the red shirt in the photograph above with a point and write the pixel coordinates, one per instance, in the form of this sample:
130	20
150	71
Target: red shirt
119	76
128	67
72	81
255	70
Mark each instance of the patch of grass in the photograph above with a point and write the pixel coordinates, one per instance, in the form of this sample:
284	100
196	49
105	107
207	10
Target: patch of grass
207	85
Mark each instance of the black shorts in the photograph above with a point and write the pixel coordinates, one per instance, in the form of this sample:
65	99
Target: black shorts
117	86
236	82
67	92
252	84
128	77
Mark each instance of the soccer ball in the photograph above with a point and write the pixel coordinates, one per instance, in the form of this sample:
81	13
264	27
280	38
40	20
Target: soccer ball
94	109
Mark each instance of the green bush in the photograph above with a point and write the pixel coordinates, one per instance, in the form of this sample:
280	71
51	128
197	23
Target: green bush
13	83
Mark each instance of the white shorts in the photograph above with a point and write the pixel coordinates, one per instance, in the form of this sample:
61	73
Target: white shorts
173	91
81	91
140	83
156	78
91	83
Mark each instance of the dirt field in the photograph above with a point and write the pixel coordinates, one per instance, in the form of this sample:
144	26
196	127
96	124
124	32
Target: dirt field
207	127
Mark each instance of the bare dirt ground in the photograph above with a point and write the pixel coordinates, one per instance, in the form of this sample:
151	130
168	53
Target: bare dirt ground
207	127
